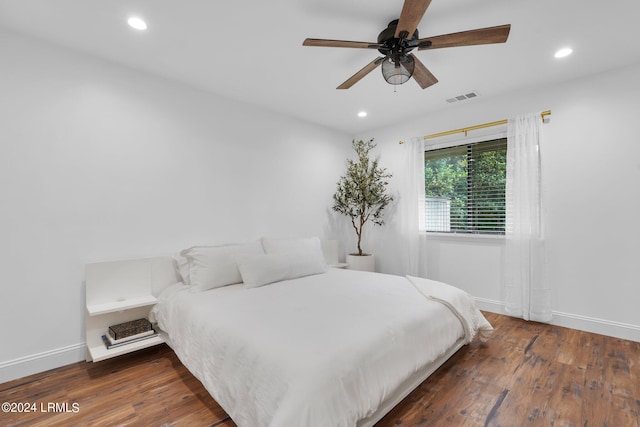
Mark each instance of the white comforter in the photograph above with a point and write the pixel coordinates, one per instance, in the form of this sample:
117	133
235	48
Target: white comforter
321	350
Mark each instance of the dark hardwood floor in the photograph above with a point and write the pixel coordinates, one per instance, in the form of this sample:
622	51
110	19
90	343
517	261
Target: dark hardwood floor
528	374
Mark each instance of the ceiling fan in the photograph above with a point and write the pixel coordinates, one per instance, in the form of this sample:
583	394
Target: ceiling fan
401	37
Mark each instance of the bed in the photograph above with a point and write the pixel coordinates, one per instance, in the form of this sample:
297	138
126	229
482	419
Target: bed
295	343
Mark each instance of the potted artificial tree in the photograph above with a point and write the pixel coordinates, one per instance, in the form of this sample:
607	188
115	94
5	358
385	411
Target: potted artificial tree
361	195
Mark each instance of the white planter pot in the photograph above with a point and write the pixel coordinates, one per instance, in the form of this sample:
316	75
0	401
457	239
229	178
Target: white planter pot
361	262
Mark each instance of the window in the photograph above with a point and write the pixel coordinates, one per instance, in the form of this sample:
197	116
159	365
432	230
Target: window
465	188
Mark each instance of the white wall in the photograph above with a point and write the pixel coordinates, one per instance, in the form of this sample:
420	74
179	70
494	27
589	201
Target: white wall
591	174
100	162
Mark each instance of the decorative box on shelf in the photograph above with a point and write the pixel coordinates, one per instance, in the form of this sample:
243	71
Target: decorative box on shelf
130	328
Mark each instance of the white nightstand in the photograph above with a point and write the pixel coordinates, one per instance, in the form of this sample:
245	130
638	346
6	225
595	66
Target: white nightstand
118	292
330	252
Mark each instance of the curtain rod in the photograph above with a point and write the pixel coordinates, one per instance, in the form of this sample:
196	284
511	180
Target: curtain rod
476	127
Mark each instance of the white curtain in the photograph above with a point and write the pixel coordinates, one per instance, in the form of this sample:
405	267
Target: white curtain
526	289
411	202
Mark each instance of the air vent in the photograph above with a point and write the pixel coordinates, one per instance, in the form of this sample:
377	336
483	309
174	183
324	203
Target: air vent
464	97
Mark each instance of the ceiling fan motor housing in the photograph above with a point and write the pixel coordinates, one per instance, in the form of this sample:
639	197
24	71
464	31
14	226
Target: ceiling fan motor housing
393	45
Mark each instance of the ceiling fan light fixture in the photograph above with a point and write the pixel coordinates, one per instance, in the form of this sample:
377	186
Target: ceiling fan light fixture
398	71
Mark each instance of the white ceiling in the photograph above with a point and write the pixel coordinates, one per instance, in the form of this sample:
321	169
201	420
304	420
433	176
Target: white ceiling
252	50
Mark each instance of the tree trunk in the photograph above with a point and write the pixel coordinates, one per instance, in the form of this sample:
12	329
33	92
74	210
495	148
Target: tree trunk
362	221
358	233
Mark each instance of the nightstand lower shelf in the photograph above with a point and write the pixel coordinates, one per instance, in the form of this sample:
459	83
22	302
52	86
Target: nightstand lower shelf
97	326
98	351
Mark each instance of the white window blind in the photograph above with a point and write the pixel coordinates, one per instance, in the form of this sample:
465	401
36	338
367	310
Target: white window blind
465	188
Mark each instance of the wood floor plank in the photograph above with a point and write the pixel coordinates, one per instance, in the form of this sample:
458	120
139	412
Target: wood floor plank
527	374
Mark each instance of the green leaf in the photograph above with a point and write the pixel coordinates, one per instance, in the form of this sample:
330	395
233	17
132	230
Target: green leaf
361	191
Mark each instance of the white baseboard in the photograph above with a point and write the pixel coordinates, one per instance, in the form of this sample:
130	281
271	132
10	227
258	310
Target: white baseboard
489	305
576	321
36	363
597	326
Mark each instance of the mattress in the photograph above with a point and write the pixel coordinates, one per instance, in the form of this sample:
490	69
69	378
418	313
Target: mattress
321	350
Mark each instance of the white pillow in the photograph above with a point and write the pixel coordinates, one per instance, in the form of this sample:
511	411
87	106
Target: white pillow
216	266
183	269
264	269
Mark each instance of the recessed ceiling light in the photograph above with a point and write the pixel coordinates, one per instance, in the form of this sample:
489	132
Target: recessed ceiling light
566	51
137	23
362	114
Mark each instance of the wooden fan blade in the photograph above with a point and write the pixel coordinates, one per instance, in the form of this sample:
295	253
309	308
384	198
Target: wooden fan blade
422	75
340	43
360	74
412	13
488	35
